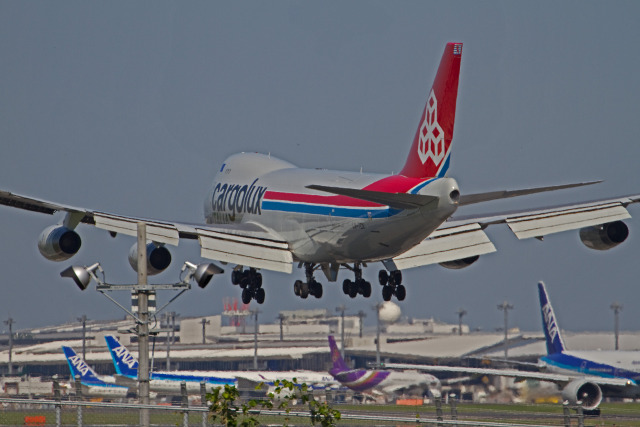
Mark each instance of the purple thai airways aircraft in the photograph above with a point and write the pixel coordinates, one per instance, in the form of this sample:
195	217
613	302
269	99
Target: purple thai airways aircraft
263	213
388	382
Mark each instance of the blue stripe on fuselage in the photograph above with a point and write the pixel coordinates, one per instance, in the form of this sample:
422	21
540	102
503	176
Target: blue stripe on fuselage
587	367
328	210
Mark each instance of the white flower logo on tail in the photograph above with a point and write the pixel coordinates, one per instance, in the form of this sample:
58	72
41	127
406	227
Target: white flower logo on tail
431	143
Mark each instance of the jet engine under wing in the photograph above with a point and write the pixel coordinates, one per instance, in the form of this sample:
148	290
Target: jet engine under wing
541	222
447	244
245	244
514	373
394	200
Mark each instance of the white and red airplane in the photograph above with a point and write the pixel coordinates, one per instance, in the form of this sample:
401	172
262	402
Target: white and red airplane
266	213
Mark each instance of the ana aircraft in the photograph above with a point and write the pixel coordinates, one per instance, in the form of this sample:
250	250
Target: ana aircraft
584	375
388	382
127	374
263	213
92	383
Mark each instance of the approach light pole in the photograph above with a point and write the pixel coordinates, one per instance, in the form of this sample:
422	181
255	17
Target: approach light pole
255	338
10	322
204	322
201	274
617	308
83	320
461	312
281	317
341	310
361	315
377	308
505	306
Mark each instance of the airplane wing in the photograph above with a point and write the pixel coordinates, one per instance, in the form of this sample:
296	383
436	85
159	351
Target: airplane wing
513	373
245	244
464	237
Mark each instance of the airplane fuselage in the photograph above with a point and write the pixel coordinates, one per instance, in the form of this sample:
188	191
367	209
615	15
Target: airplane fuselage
322	227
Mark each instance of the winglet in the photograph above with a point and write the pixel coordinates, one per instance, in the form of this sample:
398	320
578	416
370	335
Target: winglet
431	147
555	343
78	366
124	362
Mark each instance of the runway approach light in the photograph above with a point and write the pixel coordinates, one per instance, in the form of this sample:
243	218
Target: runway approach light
202	273
81	275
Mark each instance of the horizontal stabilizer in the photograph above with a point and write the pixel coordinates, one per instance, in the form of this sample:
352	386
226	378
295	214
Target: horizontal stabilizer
505	194
393	200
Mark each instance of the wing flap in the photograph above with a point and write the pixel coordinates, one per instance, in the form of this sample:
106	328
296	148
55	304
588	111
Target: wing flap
447	244
253	251
541	224
156	231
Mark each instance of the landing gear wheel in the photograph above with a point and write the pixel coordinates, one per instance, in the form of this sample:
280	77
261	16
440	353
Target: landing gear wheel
346	285
383	277
397	277
387	292
236	275
260	294
258	280
401	293
316	289
304	290
246	296
353	290
365	289
296	287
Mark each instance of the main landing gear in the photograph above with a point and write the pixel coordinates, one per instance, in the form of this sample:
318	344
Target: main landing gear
392	285
311	286
359	286
251	283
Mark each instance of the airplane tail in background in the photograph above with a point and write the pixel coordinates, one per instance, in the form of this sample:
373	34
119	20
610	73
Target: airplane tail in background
555	344
431	148
124	362
339	365
78	366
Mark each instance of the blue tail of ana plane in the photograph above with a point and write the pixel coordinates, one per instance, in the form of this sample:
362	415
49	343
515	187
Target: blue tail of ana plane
124	362
555	344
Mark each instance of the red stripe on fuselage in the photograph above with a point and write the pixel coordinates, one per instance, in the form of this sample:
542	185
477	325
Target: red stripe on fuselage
390	184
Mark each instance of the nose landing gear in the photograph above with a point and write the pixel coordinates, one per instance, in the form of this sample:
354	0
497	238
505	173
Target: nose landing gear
251	283
392	285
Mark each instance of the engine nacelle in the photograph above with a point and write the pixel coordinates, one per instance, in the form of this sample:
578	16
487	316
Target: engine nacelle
460	263
589	393
158	258
604	236
59	243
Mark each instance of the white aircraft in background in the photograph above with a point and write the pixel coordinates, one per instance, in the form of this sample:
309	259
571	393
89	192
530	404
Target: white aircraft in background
583	375
266	213
126	366
92	383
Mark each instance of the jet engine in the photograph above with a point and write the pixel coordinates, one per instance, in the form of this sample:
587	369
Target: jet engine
604	236
460	263
59	243
589	393
158	258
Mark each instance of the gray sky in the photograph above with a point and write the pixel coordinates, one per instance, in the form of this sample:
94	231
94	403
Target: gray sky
131	107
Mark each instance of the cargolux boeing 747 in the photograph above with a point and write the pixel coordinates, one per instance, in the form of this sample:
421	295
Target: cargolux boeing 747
263	213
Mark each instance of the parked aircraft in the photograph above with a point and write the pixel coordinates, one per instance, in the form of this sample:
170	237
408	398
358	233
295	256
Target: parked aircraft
266	213
388	382
583	375
126	366
92	383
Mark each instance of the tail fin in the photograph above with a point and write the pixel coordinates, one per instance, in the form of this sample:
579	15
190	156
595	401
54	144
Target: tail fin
555	344
429	155
339	364
78	366
124	362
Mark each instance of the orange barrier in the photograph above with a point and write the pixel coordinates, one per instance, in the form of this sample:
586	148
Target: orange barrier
409	402
35	420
